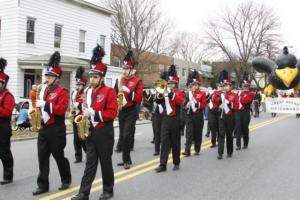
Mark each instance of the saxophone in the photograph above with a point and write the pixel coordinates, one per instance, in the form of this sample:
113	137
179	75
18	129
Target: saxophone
120	95
82	122
72	112
35	118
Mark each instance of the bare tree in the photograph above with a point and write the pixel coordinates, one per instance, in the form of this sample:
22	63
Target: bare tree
187	46
138	25
243	33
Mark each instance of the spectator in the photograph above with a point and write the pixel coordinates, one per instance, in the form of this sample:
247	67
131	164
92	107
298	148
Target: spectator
33	93
263	101
23	114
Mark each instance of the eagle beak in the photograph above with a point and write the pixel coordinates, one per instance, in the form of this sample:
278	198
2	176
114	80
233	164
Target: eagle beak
287	75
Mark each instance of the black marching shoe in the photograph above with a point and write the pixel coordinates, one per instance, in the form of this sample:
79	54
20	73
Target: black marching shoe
220	157
80	196
245	147
213	146
161	168
5	182
176	167
39	191
156	154
118	150
64	186
206	135
229	155
197	153
187	154
238	148
77	161
106	196
127	165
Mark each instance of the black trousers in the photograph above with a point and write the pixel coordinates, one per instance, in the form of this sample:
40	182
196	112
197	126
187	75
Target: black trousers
170	138
127	120
5	152
194	127
182	119
242	121
226	128
52	140
79	144
156	125
99	147
213	123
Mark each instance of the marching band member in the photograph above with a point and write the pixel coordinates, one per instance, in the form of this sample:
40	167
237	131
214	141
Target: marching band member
7	104
54	102
195	103
226	119
131	90
157	116
213	114
102	110
170	130
242	105
77	100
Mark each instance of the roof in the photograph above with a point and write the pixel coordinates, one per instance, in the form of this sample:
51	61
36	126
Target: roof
205	74
94	6
43	59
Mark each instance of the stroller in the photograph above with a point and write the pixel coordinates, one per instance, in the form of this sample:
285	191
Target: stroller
21	118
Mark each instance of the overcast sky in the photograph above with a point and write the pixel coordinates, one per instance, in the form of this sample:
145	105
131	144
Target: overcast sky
189	15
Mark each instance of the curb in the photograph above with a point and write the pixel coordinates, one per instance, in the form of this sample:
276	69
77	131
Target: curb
69	132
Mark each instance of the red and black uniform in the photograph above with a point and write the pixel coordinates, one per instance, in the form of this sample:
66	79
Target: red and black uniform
7	104
52	136
242	106
79	145
170	130
99	144
195	103
226	122
213	115
133	94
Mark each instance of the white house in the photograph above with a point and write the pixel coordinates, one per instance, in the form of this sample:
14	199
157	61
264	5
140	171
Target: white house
184	67
31	30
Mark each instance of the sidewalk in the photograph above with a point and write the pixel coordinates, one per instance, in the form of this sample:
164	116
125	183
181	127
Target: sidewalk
28	135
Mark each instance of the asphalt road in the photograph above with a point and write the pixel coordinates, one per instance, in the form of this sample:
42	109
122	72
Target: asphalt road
269	169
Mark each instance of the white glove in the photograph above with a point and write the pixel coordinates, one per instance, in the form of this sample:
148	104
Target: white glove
76	104
89	112
125	89
40	103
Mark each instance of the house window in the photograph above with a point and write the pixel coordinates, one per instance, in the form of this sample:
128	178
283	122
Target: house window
57	35
183	72
117	62
82	41
150	68
102	41
161	68
30	30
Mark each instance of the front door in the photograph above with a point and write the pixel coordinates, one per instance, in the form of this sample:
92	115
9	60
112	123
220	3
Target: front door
28	82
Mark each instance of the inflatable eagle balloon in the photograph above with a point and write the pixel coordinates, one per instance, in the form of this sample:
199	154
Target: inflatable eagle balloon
283	73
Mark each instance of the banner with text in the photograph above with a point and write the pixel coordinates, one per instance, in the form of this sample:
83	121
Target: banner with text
283	105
